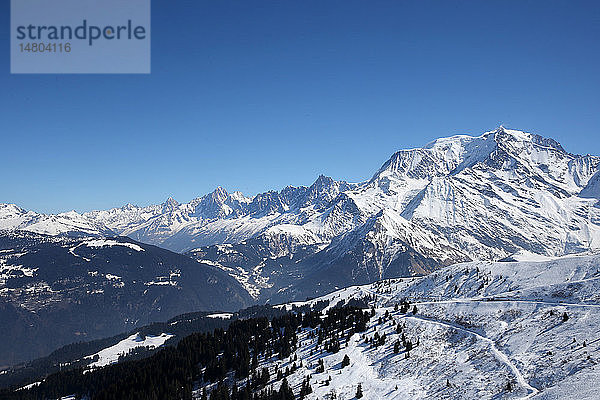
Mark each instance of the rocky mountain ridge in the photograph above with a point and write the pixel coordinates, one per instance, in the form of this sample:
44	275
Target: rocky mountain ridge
456	199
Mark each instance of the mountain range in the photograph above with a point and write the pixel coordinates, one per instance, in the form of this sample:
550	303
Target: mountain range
456	199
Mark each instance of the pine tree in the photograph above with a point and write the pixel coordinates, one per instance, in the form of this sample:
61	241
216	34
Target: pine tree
305	390
359	393
321	367
345	361
285	392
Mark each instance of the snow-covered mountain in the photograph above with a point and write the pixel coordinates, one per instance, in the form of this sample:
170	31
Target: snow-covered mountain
456	199
72	223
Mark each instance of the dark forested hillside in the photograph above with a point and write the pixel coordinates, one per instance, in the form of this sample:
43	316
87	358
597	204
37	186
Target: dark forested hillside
88	288
223	364
73	356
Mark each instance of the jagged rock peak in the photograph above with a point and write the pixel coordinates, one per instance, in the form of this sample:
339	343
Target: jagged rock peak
323	180
128	207
170	204
219	193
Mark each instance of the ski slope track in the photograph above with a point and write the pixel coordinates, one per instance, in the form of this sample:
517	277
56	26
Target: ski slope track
501	356
485	330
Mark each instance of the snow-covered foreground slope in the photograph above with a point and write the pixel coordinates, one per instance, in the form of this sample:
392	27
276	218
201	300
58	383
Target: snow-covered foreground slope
476	330
479	330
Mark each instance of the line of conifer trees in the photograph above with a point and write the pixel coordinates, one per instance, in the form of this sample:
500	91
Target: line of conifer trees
207	358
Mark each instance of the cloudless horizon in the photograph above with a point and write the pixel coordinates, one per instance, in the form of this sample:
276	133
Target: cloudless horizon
255	96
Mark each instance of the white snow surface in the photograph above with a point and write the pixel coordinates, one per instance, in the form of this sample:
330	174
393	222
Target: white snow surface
221	315
485	330
110	355
99	243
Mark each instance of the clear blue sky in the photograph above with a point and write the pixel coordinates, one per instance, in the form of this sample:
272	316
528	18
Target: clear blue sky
256	95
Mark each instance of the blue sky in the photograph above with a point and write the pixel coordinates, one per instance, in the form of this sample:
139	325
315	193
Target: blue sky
257	95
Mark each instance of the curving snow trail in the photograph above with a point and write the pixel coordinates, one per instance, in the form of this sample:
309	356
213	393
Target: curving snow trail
72	251
497	353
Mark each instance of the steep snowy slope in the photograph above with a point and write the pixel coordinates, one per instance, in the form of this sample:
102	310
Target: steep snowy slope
592	190
479	330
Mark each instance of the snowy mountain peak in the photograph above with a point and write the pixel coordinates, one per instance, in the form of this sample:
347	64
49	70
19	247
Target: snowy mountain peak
219	193
7	210
437	158
523	155
217	204
515	134
129	207
171	202
518	141
323	180
169	205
